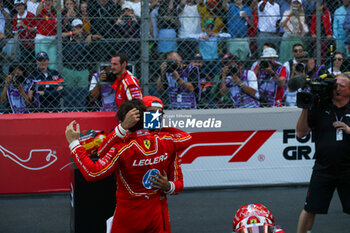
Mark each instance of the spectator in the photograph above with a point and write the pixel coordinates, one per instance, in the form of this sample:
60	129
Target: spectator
69	13
9	52
252	31
125	84
101	92
268	25
211	11
241	84
135	5
190	22
297	51
45	39
24	25
128	26
339	33
75	72
205	83
293	23
239	19
103	13
85	17
32	6
208	47
167	23
5	15
338	60
271	79
181	83
16	89
48	85
326	28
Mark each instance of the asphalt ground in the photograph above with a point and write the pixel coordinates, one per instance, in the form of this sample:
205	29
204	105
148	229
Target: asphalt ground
192	211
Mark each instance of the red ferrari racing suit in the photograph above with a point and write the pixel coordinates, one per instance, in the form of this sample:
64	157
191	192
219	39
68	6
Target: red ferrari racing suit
126	88
135	157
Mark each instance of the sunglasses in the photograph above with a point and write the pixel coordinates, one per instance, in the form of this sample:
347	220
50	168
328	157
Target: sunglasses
338	59
297	50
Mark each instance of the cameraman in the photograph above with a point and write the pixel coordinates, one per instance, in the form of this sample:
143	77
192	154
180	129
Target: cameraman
242	85
16	90
181	82
272	79
330	130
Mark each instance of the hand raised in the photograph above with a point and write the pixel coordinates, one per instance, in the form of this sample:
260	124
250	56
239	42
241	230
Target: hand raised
71	133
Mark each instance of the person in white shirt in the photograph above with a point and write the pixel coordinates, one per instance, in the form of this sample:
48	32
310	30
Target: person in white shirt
4	16
338	60
268	26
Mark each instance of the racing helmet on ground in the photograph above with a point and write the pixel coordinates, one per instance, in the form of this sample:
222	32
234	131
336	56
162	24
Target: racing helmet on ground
253	218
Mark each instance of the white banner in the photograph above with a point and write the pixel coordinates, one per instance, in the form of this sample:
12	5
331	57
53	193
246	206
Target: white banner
238	147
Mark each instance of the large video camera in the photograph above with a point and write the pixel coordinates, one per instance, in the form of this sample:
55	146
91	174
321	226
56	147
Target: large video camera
318	92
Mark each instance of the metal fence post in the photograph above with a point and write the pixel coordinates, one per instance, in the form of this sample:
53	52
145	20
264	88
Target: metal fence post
144	46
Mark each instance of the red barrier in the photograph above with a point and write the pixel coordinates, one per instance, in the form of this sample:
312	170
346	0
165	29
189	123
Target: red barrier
34	154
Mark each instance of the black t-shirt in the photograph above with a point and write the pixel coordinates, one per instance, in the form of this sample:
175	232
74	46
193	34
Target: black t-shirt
331	155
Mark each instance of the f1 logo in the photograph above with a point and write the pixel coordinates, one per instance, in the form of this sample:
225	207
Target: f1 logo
241	146
151	120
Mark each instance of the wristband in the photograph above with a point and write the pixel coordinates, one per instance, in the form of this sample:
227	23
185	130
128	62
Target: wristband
247	18
71	33
241	85
288	18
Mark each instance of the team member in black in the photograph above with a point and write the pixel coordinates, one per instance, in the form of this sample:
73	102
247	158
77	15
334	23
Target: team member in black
331	131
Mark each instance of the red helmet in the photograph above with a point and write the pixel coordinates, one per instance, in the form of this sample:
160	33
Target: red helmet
255	217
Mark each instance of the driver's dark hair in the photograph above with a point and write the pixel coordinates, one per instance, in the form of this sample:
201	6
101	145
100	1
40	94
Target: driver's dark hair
126	106
123	58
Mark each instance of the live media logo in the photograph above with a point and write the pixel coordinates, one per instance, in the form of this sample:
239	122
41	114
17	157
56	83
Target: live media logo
152	120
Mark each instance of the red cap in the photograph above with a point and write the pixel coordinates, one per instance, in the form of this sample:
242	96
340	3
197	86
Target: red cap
152	101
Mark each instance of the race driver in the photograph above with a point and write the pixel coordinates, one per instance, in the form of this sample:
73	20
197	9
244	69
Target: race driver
144	163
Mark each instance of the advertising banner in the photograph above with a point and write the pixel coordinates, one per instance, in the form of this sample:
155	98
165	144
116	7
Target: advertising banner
231	147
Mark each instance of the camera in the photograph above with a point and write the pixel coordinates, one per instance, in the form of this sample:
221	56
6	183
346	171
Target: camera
264	64
232	70
320	92
126	17
16	78
110	76
300	67
171	66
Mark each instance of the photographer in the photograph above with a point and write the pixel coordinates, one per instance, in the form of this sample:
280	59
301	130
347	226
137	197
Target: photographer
330	130
102	94
242	85
272	80
16	90
298	70
128	25
181	82
124	84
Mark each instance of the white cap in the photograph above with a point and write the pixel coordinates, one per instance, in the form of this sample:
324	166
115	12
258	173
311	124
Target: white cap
269	52
19	2
297	1
127	6
77	22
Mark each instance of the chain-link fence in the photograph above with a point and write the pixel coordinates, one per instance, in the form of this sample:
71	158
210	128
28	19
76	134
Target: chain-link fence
229	54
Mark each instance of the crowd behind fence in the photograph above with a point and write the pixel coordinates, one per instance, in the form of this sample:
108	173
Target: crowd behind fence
234	53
